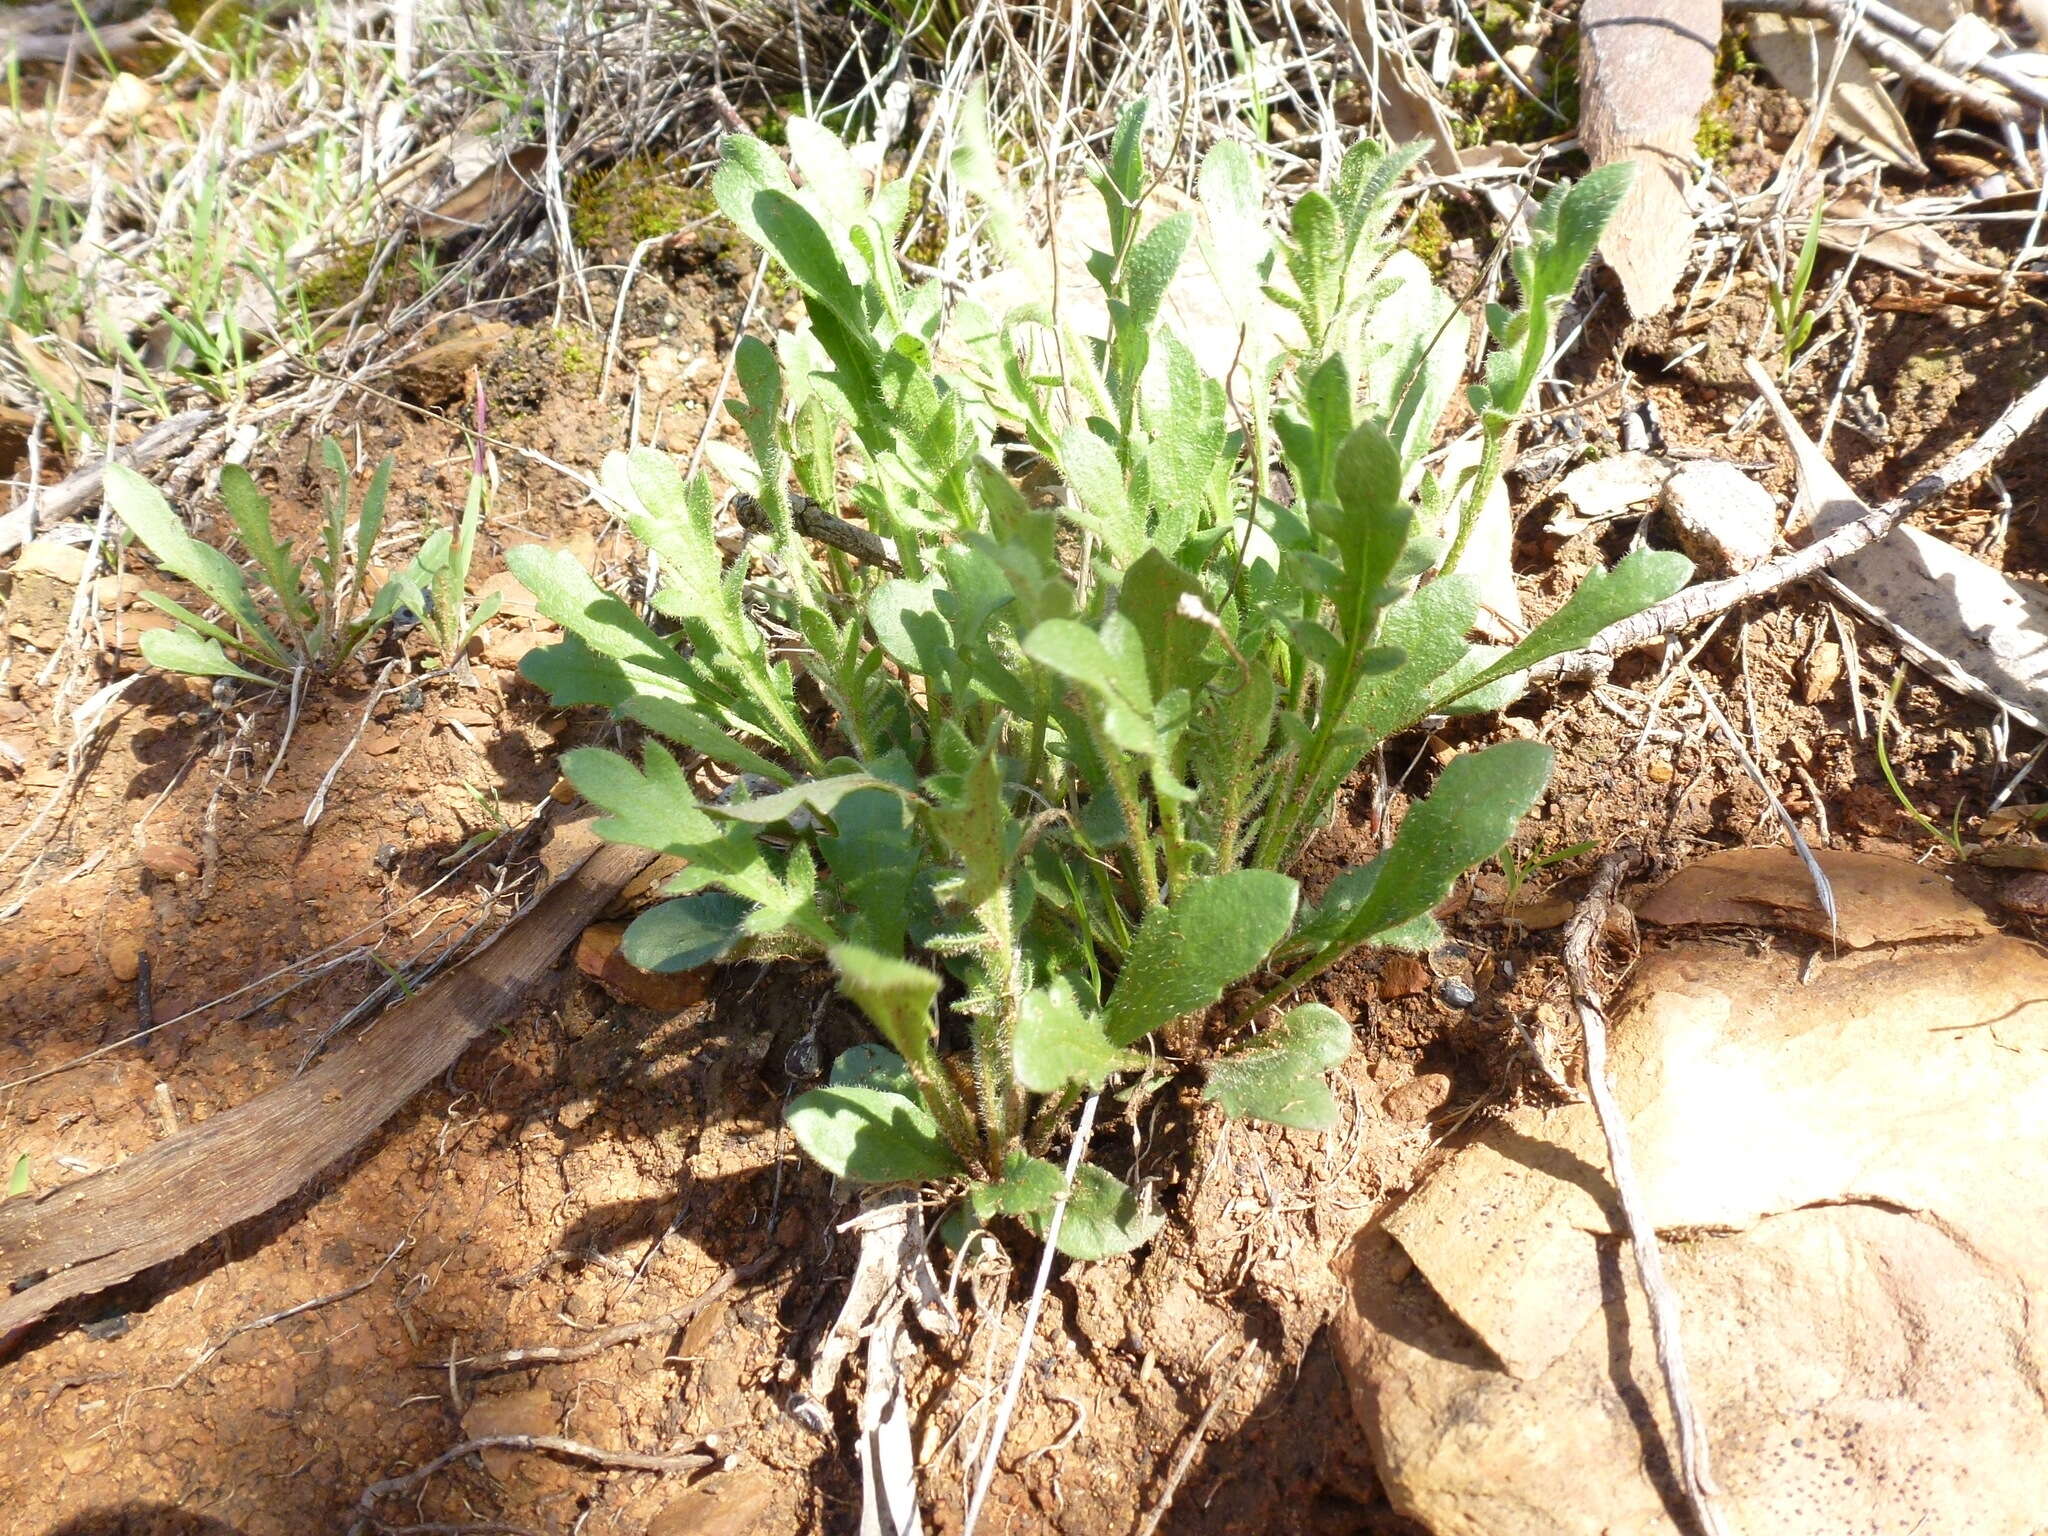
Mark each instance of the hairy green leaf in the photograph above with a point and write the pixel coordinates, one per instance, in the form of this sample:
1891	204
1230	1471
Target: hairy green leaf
1103	1218
1028	1187
1061	1044
179	650
1215	932
1478	801
149	517
1090	468
1278	1077
896	996
873	1066
1605	597
870	1136
684	934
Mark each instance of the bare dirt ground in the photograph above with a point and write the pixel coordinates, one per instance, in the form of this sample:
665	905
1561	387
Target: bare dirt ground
600	1163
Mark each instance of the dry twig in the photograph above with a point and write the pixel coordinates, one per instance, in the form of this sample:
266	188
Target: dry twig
553	1445
1197	1437
1715	597
1580	934
597	1343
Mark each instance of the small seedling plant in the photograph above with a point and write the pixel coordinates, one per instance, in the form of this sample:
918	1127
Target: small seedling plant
284	613
1030	772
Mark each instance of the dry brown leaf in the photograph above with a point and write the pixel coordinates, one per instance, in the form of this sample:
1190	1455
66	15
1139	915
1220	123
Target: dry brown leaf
1980	631
1409	105
486	198
1607	488
1647	68
1799	53
1877	900
1899	240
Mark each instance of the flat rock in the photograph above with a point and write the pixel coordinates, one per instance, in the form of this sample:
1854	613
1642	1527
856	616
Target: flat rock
1877	900
1846	1174
48	557
1604	489
727	1504
1724	520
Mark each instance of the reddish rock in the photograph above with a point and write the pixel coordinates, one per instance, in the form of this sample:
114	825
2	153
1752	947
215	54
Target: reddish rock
168	860
726	1504
1403	976
599	958
508	647
2026	893
1419	1097
124	959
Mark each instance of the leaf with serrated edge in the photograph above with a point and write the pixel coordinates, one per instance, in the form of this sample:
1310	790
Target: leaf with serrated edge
1278	1077
1216	931
870	1136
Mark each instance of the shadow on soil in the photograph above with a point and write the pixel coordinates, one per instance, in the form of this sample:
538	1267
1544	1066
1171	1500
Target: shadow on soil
143	1520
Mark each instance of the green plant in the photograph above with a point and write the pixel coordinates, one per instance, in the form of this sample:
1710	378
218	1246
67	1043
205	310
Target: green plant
1794	321
1066	758
1952	838
318	614
443	563
1518	870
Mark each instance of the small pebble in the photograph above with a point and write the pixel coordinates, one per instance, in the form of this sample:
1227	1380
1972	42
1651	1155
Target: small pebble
1456	993
1419	1097
124	960
386	857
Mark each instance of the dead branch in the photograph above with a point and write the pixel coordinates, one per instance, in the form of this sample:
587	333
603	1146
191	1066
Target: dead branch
597	1343
80	490
109	1227
1923	38
1716	597
1580	935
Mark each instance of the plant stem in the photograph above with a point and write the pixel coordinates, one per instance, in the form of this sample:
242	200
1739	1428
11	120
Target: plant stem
992	1028
1482	487
1124	784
